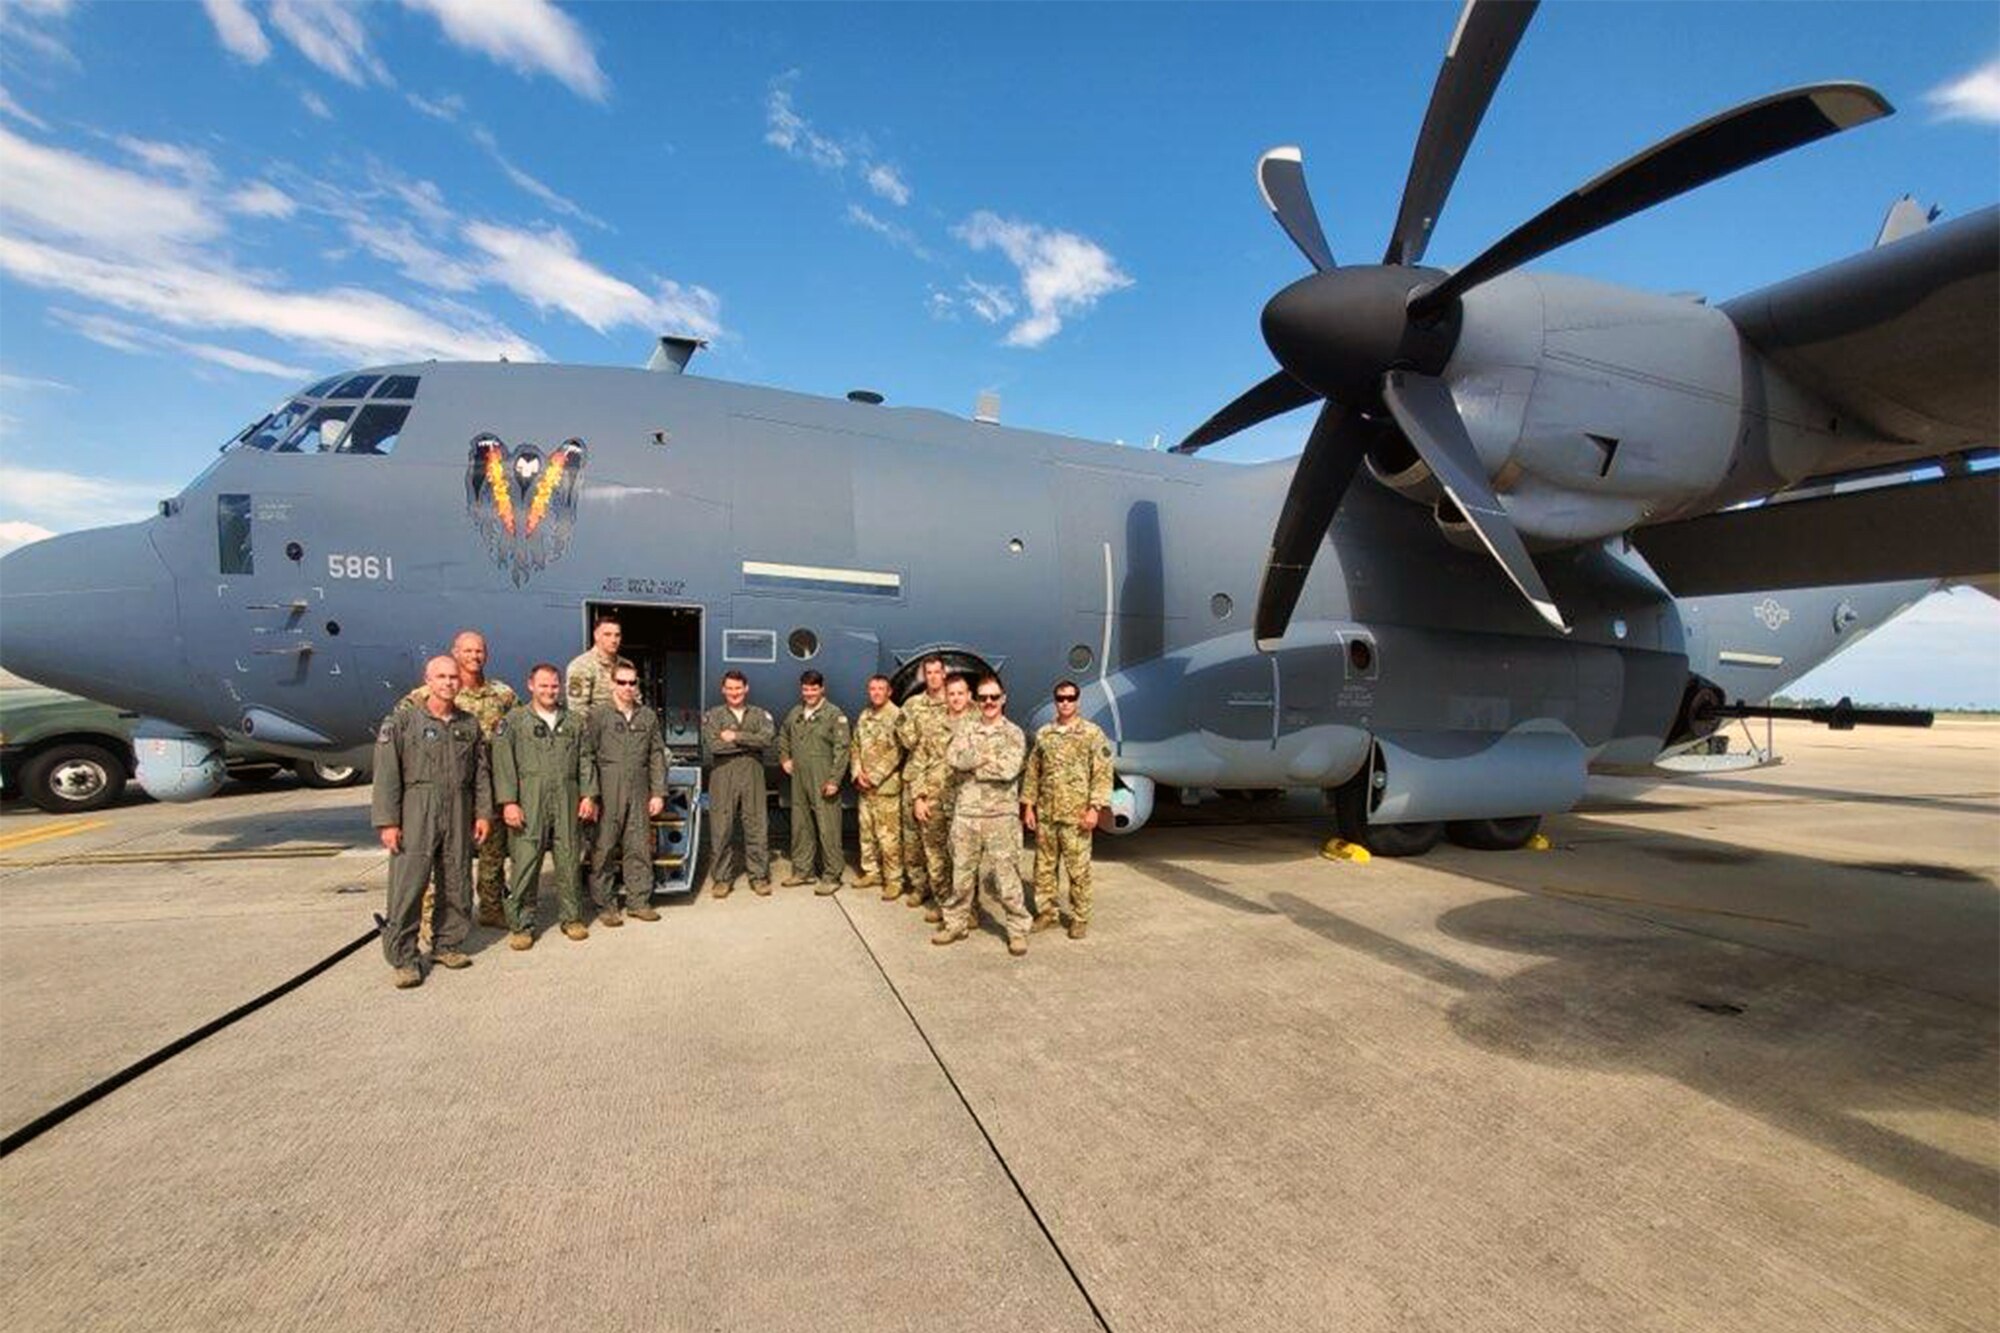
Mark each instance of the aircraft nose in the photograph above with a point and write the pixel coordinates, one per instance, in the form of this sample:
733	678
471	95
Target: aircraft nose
93	613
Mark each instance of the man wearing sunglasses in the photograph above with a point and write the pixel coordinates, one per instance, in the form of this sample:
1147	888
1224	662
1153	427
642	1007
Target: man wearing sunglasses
1064	793
986	818
631	759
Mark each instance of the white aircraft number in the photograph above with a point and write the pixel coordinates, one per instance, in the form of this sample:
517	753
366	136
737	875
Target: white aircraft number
360	566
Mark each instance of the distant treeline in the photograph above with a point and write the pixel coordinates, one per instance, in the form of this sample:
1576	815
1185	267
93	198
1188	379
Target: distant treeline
1791	701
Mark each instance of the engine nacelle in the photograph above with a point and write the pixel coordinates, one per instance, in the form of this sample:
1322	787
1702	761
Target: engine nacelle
1131	803
176	764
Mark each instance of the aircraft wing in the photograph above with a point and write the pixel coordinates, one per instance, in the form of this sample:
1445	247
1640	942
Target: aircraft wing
1904	337
1941	528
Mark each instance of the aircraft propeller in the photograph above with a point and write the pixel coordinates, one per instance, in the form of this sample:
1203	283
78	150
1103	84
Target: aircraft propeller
1372	341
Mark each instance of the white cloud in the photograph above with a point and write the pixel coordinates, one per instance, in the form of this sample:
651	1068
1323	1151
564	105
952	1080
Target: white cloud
416	259
786	129
1062	274
941	305
1976	96
14	533
528	36
190	164
132	338
556	202
446	108
884	181
347	321
544	268
53	501
894	233
314	103
8	106
52	192
330	35
261	199
239	30
991	303
29	384
30	25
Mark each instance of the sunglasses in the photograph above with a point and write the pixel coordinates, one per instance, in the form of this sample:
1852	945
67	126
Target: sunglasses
1066	698
989	698
624	682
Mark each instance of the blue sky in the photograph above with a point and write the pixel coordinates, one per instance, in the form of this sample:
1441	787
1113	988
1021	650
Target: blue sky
202	205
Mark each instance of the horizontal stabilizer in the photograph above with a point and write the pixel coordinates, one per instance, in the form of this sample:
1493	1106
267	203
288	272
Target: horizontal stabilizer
1949	528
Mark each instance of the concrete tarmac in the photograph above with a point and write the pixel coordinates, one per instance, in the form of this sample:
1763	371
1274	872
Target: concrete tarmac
1728	1055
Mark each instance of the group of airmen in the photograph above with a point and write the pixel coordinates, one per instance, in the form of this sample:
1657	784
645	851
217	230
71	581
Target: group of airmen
944	785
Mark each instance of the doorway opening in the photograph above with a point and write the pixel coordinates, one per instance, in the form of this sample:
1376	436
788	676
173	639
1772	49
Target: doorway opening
664	642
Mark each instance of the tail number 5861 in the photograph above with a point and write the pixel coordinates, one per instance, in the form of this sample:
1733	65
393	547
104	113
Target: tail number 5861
360	566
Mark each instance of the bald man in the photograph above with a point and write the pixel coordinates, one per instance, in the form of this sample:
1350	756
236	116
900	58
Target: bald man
433	803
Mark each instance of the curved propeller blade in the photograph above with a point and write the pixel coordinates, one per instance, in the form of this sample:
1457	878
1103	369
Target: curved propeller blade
1281	179
1423	407
1274	397
1338	442
1694	157
1481	45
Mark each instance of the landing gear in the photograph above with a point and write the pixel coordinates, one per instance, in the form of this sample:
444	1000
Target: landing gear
1350	813
1494	835
314	773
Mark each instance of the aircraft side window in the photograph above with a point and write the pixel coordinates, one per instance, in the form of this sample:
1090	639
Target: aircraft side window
356	387
273	429
397	386
377	429
320	431
232	535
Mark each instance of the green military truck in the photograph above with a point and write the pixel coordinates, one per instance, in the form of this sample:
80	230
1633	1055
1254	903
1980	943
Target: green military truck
68	754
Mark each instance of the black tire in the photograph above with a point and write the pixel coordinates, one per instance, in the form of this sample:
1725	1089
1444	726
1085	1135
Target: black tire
67	779
317	773
1494	835
261	775
1350	811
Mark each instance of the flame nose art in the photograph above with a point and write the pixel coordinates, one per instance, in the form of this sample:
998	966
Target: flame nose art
93	613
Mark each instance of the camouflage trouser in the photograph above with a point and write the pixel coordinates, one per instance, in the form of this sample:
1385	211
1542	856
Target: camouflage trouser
916	872
936	839
983	845
489	880
882	839
1068	846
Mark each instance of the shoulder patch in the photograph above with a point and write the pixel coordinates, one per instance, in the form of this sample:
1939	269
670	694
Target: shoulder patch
579	685
500	728
387	731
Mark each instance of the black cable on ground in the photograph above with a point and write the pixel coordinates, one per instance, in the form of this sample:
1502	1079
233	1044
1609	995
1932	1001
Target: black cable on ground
978	1124
47	1121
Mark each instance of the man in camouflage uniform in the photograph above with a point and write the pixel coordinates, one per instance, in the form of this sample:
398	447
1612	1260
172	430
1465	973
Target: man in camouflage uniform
488	701
986	818
937	787
734	736
876	763
916	718
543	782
433	792
813	749
589	673
631	756
1064	792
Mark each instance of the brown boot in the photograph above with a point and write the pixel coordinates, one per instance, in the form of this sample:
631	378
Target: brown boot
827	888
1042	921
452	959
1017	945
719	888
521	941
610	918
890	893
913	899
405	978
643	913
576	930
934	914
761	887
1078	929
947	935
868	882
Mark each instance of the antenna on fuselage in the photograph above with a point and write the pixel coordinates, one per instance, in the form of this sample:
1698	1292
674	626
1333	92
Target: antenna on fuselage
673	351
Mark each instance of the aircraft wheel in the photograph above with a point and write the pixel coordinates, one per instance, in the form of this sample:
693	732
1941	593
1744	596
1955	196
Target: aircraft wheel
313	773
70	778
1494	835
1350	810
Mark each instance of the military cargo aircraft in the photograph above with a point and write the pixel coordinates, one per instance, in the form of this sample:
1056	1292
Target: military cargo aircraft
1446	645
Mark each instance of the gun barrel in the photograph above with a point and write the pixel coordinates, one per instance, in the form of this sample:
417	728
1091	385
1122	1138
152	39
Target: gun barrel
1843	716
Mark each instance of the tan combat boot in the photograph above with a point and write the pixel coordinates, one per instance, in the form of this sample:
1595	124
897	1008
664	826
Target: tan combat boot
1043	920
576	930
405	978
1078	929
761	887
934	914
947	935
1017	945
610	918
521	941
719	888
451	958
643	912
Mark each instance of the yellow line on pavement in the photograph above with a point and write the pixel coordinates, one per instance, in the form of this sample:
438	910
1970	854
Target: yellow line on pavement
43	832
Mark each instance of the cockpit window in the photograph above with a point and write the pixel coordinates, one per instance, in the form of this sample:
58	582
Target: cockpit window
272	430
398	386
356	387
376	430
319	390
319	432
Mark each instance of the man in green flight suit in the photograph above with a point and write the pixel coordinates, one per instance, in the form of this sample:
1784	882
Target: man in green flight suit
543	781
487	700
433	801
631	756
734	735
813	749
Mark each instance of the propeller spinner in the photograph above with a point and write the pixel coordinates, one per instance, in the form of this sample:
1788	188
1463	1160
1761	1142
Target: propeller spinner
1371	341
